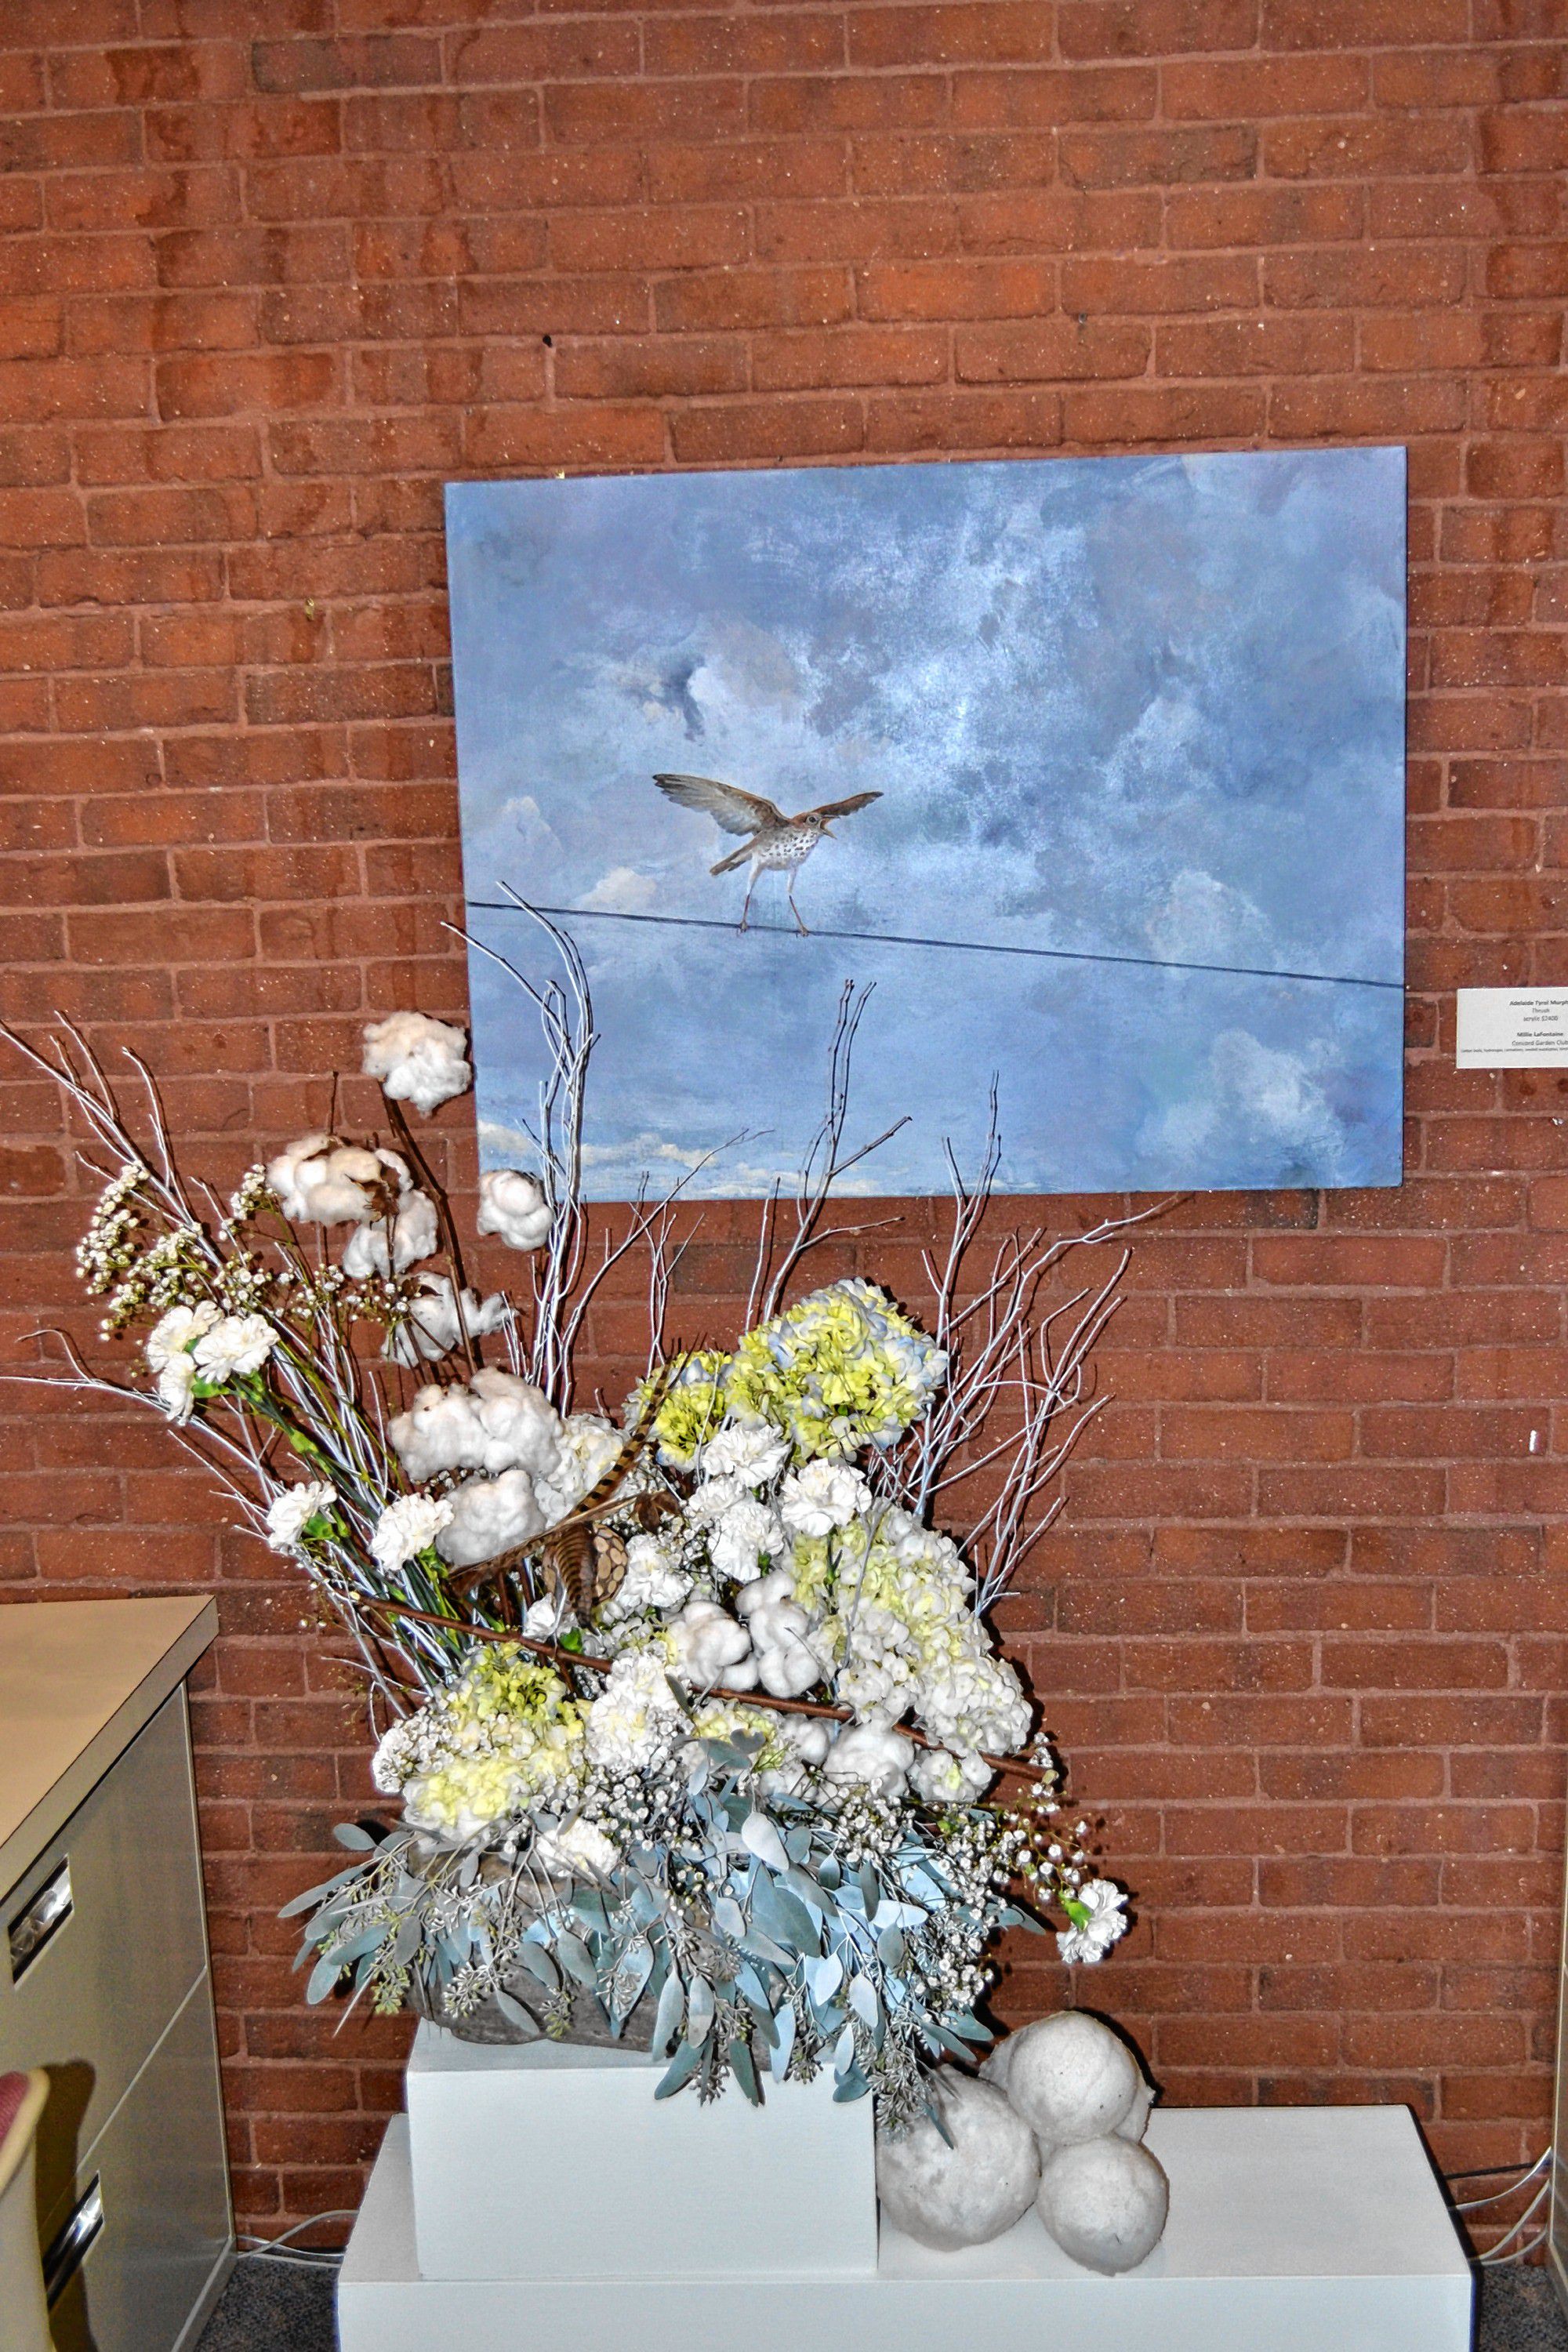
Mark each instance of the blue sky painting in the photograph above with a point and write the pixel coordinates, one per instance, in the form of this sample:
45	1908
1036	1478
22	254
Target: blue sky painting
1137	725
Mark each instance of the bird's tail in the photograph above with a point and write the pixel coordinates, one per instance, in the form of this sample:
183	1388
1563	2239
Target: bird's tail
736	858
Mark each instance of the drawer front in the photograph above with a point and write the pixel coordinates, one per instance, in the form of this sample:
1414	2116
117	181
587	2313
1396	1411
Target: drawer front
102	1940
153	2199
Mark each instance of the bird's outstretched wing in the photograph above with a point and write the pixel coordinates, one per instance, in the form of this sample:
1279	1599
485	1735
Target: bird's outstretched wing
846	808
736	810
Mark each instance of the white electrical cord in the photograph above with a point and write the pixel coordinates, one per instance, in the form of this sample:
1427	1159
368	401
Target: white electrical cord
1496	2253
315	2258
1520	2180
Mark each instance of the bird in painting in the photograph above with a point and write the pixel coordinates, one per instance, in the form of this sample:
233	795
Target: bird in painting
775	842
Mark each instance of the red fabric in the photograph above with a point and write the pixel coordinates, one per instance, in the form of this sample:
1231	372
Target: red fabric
13	2091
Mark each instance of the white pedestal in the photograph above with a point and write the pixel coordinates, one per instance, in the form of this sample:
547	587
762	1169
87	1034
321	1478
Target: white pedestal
552	2161
1292	2229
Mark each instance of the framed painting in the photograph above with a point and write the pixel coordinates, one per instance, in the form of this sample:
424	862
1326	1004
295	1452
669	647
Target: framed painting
1093	767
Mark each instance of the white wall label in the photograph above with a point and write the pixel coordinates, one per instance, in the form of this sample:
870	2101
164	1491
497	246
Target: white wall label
1512	1029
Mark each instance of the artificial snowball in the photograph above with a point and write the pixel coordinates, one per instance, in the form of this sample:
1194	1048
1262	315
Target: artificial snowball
866	1752
416	1059
1071	2077
414	1234
1104	2201
513	1206
963	2193
489	1515
1135	2122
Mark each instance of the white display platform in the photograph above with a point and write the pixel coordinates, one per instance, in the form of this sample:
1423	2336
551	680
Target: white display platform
1292	2229
554	2161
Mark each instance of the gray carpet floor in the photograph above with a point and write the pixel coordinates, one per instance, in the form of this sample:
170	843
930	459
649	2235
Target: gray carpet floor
273	2306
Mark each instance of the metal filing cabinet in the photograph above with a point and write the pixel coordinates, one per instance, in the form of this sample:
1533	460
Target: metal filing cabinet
104	1976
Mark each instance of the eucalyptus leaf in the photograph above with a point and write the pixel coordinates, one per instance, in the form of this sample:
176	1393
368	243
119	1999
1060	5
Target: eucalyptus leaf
350	1833
784	2043
698	2011
668	2015
679	2071
761	1838
745	2070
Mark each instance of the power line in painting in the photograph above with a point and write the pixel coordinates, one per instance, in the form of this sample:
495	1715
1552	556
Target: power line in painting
959	947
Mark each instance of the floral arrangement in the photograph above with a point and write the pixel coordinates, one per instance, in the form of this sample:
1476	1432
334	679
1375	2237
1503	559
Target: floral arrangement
694	1717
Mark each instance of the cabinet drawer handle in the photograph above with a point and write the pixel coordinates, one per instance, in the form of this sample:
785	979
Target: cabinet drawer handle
45	1915
72	2240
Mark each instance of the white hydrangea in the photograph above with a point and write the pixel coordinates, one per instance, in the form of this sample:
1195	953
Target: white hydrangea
396	1755
417	1060
974	1701
415	1234
406	1527
944	1778
320	1181
432	1329
653	1579
865	1753
290	1513
823	1495
751	1450
235	1347
708	1647
493	1423
489	1515
636	1716
513	1206
1106	1922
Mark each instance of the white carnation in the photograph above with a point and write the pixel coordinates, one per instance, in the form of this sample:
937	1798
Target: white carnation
653	1579
177	1331
290	1513
235	1346
414	1236
747	1532
751	1450
432	1329
576	1850
489	1515
176	1385
636	1716
1106	1922
513	1206
407	1528
822	1497
417	1060
865	1752
320	1181
586	1447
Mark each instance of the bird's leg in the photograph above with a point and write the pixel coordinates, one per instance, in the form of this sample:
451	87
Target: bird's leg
794	910
751	886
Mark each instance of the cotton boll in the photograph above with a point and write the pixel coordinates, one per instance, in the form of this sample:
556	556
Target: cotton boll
320	1181
489	1515
764	1592
417	1060
968	2187
709	1647
1071	2078
866	1752
513	1205
414	1236
786	1665
432	1329
1105	2203
496	1423
522	1429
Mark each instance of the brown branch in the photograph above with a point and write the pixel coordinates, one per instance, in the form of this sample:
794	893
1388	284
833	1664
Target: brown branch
444	1218
558	1655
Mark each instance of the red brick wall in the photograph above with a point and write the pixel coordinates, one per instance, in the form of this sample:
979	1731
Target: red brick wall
272	270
